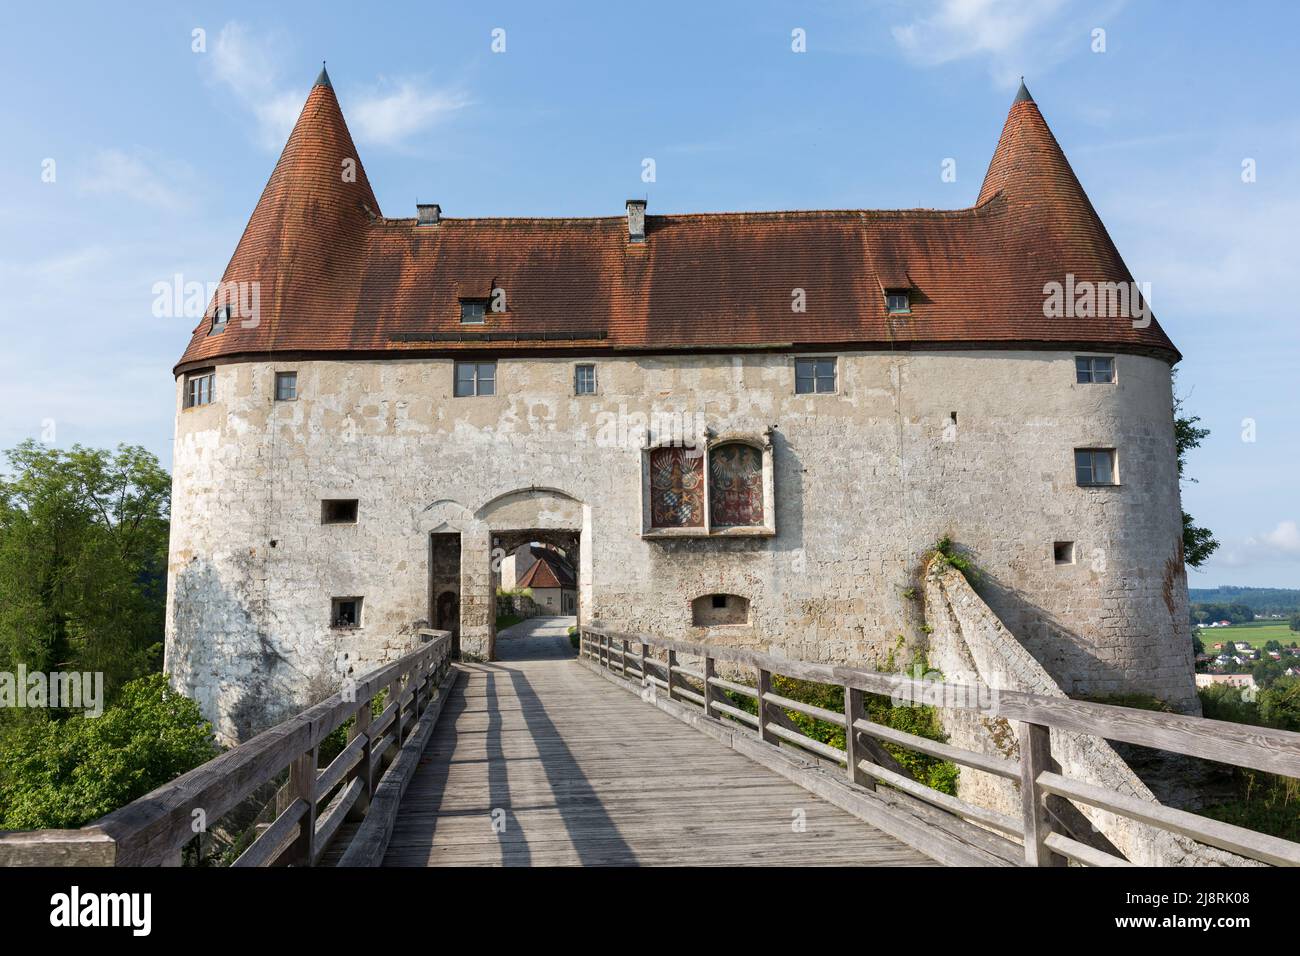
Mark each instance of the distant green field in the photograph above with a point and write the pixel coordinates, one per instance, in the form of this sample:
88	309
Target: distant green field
1256	634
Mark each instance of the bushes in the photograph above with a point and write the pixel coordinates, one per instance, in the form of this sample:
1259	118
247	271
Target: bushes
1266	802
923	721
64	774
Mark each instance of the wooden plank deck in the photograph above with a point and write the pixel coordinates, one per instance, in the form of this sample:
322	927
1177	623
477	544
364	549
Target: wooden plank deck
581	773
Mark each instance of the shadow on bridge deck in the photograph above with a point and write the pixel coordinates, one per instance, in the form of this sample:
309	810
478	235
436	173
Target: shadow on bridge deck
542	763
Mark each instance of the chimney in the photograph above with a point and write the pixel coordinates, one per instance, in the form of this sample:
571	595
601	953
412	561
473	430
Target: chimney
427	213
636	220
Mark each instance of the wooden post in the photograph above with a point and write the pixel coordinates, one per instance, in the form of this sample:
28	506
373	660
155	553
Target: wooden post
708	688
622	659
855	709
399	688
645	669
362	726
672	678
764	688
302	786
1035	758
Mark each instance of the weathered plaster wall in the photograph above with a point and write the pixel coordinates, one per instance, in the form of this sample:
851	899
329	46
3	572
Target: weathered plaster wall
968	644
866	480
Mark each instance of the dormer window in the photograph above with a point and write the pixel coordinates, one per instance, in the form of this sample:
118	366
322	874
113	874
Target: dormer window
898	300
473	311
219	320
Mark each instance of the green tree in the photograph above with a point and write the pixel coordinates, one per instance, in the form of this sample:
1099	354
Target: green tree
66	773
83	558
1198	543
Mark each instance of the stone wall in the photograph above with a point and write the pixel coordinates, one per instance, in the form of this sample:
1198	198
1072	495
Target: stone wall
866	480
968	644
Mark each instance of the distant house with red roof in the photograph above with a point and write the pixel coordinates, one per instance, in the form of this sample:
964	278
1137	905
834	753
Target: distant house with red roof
553	583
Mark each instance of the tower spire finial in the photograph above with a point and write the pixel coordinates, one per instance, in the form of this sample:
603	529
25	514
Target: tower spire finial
1022	94
324	78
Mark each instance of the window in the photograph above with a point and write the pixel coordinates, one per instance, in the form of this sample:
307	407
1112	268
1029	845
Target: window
735	486
338	511
1093	370
219	320
1063	552
1094	466
712	610
345	612
473	311
814	375
286	386
200	388
476	378
898	302
677	488
584	380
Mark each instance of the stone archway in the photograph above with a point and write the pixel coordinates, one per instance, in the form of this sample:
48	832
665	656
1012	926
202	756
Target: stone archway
547	515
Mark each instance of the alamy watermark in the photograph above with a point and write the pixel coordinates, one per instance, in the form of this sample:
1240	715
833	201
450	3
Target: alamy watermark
177	298
1085	299
71	690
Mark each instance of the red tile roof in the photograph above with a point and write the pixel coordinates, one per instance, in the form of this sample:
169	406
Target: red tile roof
335	276
546	572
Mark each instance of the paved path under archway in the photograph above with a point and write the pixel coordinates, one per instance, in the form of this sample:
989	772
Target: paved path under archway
538	638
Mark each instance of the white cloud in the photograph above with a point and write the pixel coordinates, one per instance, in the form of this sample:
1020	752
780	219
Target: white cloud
141	179
247	66
388	118
1015	36
1285	537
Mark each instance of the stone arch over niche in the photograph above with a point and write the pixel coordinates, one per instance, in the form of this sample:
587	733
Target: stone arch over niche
445	514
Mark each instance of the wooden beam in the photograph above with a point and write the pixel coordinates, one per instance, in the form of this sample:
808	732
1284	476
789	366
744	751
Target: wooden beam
1036	759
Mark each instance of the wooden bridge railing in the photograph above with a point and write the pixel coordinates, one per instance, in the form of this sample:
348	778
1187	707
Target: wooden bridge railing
867	762
363	783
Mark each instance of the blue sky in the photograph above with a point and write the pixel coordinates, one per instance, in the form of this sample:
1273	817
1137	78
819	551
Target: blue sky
160	151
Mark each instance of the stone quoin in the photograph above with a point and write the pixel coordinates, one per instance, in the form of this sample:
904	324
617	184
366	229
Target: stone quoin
919	392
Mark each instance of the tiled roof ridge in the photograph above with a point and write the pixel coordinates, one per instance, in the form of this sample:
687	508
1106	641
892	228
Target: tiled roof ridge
757	215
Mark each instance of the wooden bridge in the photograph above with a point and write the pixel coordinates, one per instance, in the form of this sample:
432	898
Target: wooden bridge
636	752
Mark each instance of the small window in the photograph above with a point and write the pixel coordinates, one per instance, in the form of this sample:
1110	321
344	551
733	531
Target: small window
1063	552
473	311
584	380
220	319
338	511
1095	466
286	386
816	375
719	601
345	612
898	302
200	388
476	378
1093	370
